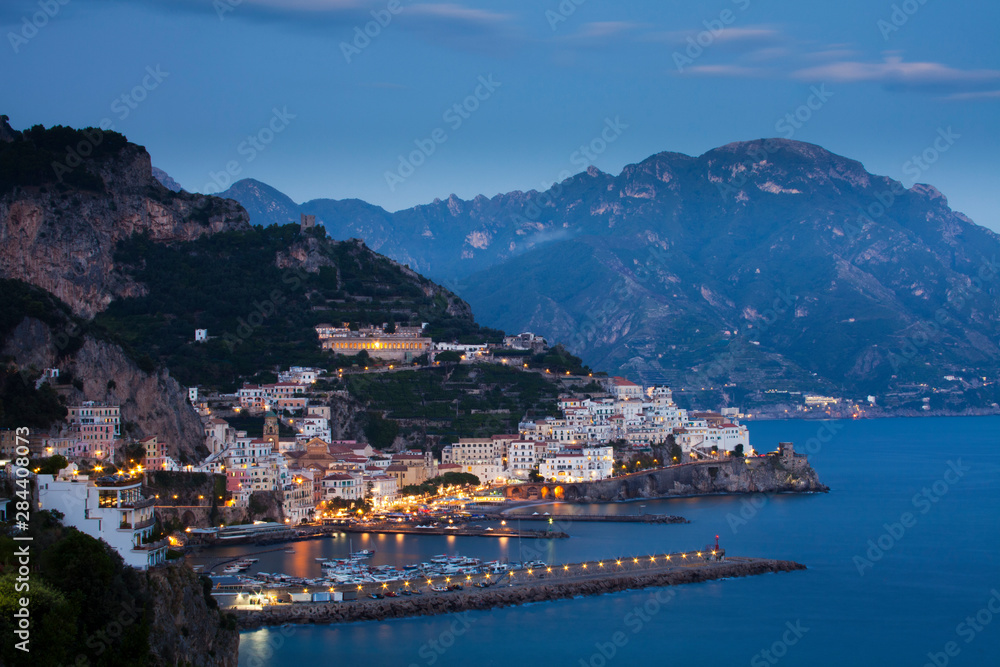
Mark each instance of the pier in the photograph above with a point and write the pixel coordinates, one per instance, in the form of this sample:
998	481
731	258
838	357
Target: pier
461	530
551	582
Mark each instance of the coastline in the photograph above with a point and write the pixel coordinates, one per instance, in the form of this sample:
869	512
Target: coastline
432	604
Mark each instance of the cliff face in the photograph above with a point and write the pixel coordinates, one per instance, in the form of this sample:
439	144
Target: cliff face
63	239
154	402
769	474
184	629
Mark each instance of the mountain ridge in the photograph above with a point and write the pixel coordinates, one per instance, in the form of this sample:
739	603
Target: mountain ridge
681	250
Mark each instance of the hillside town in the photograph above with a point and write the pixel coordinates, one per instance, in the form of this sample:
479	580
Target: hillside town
311	469
600	433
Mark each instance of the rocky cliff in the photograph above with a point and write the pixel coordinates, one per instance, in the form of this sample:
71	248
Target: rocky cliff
60	233
767	474
151	401
186	627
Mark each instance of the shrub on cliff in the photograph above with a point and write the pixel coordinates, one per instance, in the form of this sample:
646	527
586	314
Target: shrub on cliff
87	605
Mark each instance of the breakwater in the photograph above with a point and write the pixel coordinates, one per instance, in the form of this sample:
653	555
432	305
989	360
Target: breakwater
610	577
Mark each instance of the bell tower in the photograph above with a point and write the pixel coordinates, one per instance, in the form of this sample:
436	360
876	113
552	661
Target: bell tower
271	430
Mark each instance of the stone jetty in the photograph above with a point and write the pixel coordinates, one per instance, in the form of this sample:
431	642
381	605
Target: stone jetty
527	589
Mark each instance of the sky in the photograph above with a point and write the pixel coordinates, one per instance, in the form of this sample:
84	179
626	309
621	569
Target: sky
399	102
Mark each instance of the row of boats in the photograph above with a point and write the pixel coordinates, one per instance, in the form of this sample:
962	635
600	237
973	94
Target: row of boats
240	566
355	571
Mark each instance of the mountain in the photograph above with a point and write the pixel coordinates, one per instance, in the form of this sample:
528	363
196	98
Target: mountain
166	180
105	274
265	205
762	264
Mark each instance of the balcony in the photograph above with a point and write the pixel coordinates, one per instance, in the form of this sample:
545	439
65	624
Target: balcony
138	504
151	546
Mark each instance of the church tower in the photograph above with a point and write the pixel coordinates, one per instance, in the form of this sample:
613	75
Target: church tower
271	429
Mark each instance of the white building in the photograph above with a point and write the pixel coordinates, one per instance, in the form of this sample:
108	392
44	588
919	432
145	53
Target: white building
578	464
109	508
482	457
621	388
382	489
523	456
345	485
300	374
200	335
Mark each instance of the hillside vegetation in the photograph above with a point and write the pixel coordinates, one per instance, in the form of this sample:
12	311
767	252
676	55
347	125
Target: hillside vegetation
260	293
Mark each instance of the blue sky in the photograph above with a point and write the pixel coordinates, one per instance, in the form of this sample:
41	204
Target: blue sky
332	113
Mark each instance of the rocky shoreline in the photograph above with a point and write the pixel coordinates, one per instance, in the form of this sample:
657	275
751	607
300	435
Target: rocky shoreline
480	599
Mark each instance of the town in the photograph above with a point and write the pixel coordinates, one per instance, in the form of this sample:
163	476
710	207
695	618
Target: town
615	428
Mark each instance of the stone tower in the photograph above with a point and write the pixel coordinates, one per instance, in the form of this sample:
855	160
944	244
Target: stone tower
307	222
271	429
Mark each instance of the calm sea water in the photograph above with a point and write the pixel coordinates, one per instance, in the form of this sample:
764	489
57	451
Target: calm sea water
925	592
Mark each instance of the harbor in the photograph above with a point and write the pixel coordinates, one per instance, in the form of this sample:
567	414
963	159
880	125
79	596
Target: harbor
445	594
590	518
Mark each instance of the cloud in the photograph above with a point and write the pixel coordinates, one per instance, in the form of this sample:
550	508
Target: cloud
448	23
461	27
604	30
731	40
981	95
765	52
737	71
896	74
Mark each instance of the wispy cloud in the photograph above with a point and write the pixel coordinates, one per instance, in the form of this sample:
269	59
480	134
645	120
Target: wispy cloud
767	52
734	39
894	73
981	95
447	23
738	71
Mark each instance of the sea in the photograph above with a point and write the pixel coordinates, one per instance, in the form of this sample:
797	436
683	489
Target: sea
902	558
